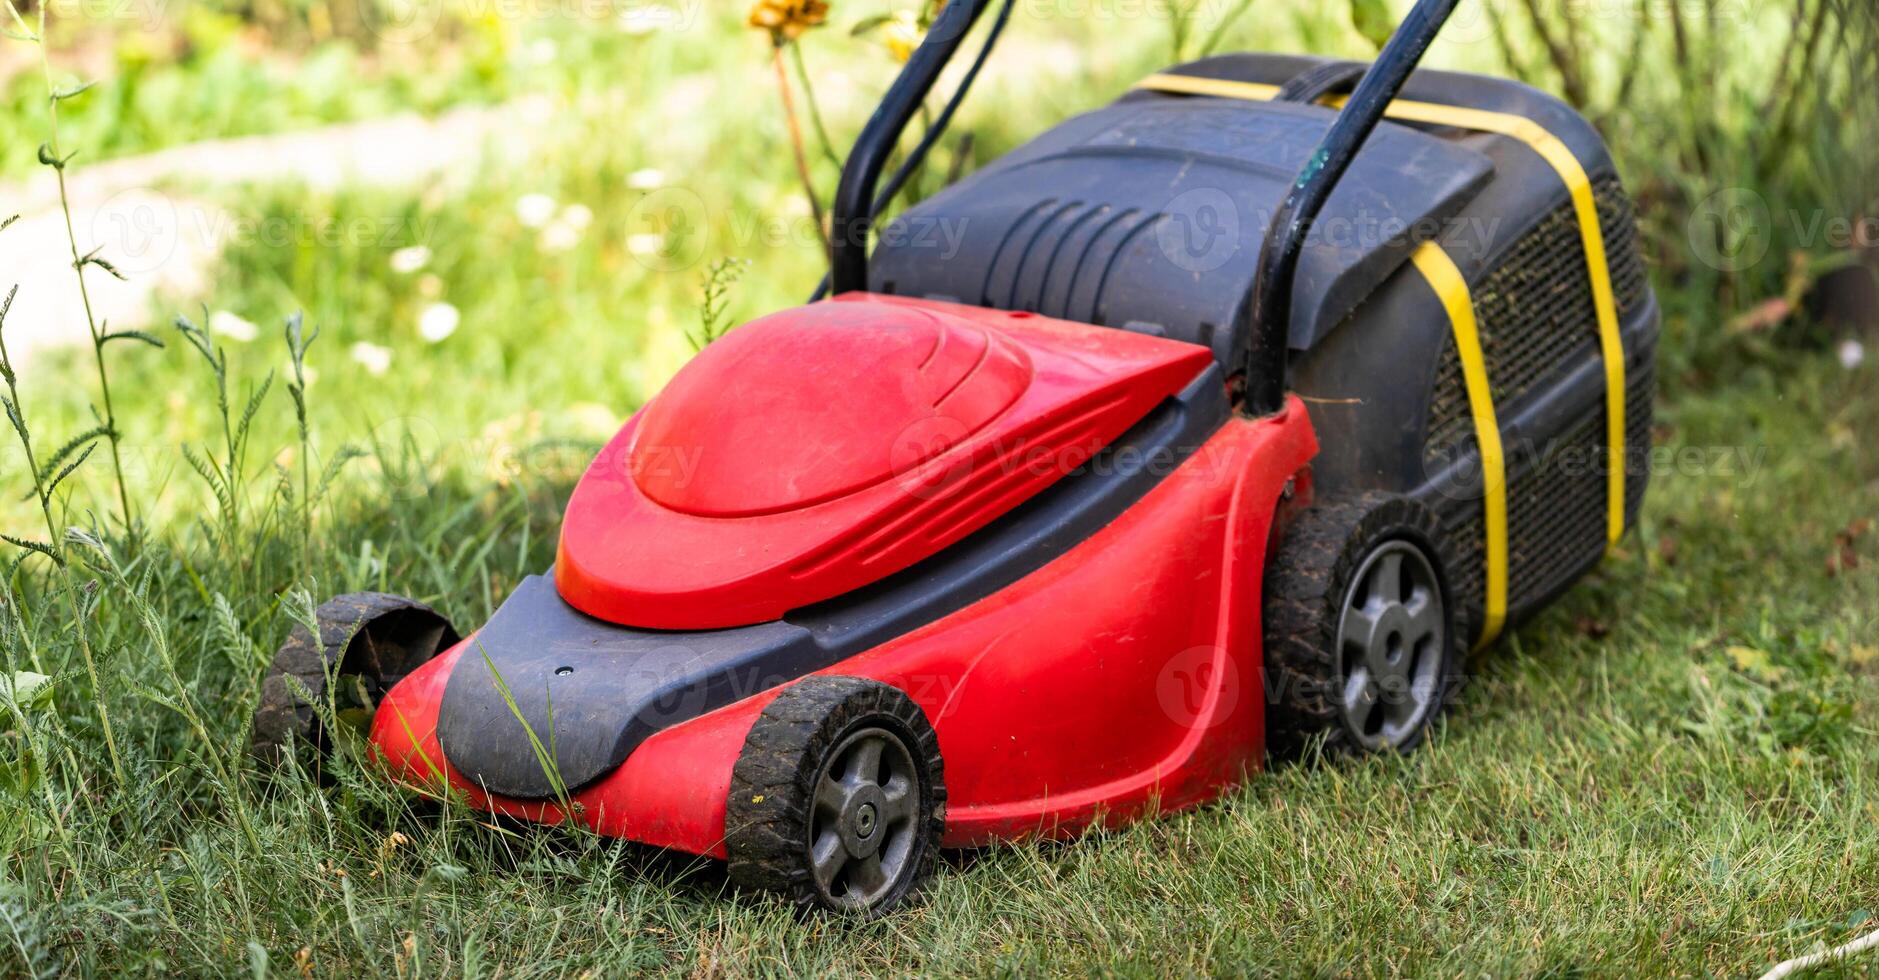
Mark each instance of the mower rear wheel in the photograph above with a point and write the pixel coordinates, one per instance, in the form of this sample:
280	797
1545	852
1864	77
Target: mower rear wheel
1363	645
838	798
368	642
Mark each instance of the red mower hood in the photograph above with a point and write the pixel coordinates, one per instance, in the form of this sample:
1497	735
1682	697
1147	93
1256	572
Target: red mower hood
822	448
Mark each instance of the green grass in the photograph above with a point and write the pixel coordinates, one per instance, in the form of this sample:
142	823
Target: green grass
1673	771
1620	790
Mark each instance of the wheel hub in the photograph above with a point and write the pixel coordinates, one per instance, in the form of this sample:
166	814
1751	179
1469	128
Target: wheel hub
1391	638
861	820
864	826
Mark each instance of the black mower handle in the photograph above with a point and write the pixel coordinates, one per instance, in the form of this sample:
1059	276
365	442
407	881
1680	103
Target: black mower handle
1267	313
851	217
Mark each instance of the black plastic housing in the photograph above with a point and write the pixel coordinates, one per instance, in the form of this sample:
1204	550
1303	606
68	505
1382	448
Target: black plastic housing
1074	223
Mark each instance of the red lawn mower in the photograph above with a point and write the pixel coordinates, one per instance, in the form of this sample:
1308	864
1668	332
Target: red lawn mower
1231	417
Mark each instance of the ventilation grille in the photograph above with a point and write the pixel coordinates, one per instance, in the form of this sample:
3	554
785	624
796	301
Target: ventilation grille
1556	510
1057	258
1556	513
1536	317
1535	313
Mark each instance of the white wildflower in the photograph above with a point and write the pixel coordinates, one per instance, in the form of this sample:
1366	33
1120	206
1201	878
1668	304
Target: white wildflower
410	259
375	359
535	210
1852	353
579	216
439	320
645	243
646	180
233	327
560	237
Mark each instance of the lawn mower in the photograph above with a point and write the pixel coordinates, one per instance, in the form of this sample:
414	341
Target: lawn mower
1245	407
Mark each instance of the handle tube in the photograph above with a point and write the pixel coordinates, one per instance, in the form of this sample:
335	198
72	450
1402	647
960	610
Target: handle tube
1268	308
851	216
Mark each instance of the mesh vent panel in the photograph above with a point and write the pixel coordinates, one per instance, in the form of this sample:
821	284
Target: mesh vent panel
1556	513
1536	317
1535	312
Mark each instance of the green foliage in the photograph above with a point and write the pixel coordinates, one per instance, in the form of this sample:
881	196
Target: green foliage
1373	19
1745	133
28	954
226	475
713	320
25	690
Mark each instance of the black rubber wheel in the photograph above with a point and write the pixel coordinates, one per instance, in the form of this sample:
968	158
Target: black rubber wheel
369	641
1363	639
838	799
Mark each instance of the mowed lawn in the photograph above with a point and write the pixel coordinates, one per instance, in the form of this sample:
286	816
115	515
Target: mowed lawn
1675	770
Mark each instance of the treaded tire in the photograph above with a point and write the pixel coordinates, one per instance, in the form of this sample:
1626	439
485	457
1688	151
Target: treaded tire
1307	585
773	808
374	636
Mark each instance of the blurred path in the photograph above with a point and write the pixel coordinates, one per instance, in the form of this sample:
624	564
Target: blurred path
147	214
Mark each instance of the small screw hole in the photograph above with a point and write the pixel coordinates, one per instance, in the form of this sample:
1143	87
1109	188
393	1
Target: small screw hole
563	671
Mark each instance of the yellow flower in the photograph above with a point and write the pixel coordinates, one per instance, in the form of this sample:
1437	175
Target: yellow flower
902	34
786	20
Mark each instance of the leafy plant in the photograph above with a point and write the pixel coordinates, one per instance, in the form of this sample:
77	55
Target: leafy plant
311	492
26	945
47	477
50	155
225	476
713	320
1742	128
786	21
1189	37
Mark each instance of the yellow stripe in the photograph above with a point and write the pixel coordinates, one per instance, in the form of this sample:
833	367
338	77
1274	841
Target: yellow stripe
1578	184
1190	85
1452	289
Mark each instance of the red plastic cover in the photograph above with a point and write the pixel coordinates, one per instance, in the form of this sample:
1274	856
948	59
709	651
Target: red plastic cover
822	448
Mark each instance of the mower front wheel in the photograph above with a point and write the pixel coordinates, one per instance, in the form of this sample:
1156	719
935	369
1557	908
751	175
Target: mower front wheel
368	642
838	798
